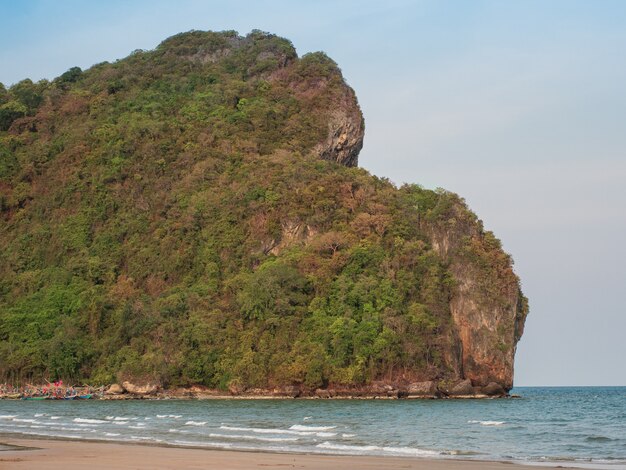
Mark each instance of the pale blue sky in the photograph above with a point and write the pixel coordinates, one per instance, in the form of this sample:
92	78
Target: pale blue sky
520	107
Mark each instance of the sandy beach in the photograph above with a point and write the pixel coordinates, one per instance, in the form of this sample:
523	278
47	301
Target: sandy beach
66	455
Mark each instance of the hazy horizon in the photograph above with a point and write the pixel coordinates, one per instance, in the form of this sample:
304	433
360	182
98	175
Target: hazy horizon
517	107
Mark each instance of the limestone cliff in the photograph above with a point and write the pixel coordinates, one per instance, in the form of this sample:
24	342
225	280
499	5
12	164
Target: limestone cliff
487	306
345	132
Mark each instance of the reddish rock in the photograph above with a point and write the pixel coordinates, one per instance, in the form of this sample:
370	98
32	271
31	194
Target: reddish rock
463	388
426	389
493	389
114	389
145	389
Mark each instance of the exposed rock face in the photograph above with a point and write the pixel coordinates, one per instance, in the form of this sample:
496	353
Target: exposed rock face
493	390
463	388
292	232
487	306
290	391
115	389
146	389
346	130
422	389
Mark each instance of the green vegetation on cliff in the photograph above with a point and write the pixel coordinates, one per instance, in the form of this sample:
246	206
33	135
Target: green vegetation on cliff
168	217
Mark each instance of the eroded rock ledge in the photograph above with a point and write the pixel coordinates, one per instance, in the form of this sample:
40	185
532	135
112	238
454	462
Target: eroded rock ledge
463	389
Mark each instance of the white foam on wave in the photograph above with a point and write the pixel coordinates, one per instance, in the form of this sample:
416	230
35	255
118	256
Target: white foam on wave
222	445
39	415
372	449
137	427
348	435
253	438
279	431
178	431
145	438
8	416
112	434
64	436
19	420
301	427
88	421
195	423
487	423
55	417
306	418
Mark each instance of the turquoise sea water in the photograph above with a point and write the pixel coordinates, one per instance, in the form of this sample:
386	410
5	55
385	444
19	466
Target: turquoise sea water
584	426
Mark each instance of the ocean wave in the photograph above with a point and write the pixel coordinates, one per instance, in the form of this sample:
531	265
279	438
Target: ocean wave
88	421
63	436
223	445
71	429
301	427
112	434
279	431
599	439
8	416
20	420
195	423
369	449
487	423
254	438
145	438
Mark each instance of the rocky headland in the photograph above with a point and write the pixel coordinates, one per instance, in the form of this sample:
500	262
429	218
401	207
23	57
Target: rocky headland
190	222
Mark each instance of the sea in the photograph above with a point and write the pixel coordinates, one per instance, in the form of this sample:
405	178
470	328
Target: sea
550	426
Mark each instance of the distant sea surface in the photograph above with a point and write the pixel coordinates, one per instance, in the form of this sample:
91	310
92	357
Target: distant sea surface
583	427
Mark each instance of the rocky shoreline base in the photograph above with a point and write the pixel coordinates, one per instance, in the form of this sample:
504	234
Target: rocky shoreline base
378	390
461	389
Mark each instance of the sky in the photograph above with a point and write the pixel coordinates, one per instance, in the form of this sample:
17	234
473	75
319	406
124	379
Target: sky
518	106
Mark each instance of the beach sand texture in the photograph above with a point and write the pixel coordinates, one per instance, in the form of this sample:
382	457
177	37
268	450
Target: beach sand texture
67	455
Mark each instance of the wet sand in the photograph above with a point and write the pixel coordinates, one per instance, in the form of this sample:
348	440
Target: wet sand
68	455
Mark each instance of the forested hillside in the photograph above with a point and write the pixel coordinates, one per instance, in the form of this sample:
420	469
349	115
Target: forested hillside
193	214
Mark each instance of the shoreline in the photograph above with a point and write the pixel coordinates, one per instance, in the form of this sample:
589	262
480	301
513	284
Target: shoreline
64	454
460	389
